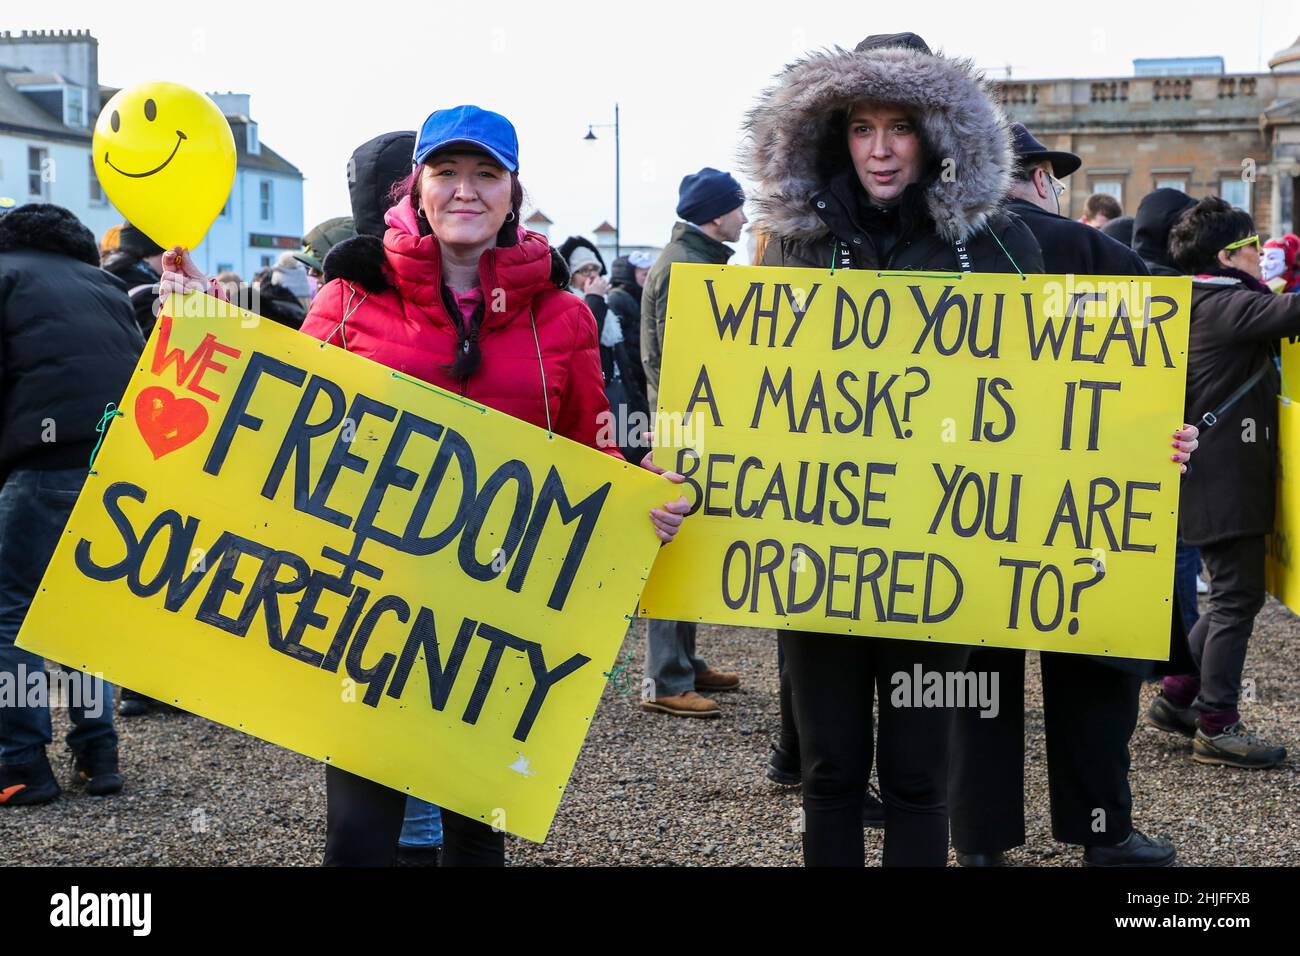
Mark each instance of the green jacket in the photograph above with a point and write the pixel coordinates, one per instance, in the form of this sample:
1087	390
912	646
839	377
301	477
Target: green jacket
688	244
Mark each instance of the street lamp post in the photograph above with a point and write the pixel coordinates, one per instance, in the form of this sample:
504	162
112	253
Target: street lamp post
618	175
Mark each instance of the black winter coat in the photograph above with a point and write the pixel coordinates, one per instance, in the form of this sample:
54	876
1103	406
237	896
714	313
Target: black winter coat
1072	248
69	341
1229	488
142	285
1003	244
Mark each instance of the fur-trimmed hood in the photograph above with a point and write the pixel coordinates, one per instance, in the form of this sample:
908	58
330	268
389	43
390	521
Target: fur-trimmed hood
795	135
48	228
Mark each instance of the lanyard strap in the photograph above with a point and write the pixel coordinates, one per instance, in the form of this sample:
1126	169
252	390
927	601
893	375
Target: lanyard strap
842	256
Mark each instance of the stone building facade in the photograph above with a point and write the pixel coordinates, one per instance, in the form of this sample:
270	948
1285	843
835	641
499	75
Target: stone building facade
1234	135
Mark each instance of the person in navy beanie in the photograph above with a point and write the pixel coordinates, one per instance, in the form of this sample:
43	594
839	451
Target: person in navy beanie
711	205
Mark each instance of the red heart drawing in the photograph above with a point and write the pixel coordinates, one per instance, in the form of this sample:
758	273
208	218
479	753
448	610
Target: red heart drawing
167	422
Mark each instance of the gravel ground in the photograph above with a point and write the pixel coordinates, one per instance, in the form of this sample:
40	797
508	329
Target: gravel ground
649	788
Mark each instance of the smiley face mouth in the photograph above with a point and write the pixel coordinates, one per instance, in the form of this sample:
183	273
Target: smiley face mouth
157	169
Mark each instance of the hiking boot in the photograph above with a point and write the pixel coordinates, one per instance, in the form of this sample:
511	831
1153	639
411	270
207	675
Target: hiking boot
96	770
687	704
711	680
1165	715
27	784
783	769
1138	849
1236	747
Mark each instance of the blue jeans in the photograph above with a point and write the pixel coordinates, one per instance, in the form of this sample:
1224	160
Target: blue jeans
34	508
422	825
1187	564
670	658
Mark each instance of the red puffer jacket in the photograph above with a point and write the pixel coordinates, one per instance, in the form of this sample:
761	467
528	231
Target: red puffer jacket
407	328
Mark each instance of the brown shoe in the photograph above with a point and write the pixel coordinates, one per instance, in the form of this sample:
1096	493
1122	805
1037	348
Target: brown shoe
688	704
714	681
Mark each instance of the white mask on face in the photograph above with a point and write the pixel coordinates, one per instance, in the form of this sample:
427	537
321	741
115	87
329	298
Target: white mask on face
1272	263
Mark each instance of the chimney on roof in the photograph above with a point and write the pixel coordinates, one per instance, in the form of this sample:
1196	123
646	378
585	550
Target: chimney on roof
73	54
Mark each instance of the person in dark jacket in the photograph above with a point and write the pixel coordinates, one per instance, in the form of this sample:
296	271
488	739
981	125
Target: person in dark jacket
1156	215
1090	704
274	301
625	298
847	149
624	379
711	205
1121	230
374	167
137	261
1069	247
69	343
1228	498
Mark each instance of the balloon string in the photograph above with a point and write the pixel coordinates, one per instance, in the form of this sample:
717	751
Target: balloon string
110	412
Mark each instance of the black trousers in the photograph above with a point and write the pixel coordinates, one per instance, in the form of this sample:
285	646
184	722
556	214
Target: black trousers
1090	710
364	820
1219	639
834	679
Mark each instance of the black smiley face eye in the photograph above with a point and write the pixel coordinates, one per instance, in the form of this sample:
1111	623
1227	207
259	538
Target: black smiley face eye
150	110
115	121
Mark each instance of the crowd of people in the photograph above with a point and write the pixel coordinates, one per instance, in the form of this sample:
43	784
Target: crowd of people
845	151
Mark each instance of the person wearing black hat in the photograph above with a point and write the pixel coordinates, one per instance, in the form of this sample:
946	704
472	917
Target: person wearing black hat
711	204
137	261
1035	196
1090	704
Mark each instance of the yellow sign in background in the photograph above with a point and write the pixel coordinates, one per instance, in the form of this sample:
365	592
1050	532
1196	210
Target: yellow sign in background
314	549
1282	567
849	444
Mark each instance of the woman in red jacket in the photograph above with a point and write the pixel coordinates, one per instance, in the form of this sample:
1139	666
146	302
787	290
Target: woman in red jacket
459	295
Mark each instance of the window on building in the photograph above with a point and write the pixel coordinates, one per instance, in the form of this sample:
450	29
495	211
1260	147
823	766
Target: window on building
38	179
266	261
1109	187
1172	182
1236	191
225	267
267	200
74	107
96	190
252	143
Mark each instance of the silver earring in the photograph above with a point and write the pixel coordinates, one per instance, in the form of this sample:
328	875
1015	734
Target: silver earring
510	216
419	211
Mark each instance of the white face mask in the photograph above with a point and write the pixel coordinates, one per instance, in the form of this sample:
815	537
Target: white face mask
1272	263
313	286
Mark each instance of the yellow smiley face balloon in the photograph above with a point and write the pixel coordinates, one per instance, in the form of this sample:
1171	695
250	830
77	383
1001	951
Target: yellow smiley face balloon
166	158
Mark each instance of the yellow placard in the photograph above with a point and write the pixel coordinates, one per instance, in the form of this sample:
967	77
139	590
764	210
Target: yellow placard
972	459
1282	566
297	542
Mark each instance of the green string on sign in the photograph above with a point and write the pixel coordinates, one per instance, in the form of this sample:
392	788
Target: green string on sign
618	676
110	412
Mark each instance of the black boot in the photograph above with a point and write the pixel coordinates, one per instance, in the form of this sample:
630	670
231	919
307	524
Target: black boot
96	769
980	859
1138	849
782	768
27	784
133	704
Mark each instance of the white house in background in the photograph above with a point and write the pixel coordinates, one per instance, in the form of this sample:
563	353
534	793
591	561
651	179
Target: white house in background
605	234
49	99
539	222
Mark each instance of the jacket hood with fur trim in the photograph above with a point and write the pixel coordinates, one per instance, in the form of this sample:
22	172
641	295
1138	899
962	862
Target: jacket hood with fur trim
795	135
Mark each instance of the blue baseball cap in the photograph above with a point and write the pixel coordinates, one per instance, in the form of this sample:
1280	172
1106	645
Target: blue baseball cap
490	132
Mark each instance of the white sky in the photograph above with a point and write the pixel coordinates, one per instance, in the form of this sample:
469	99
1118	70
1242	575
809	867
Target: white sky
324	78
